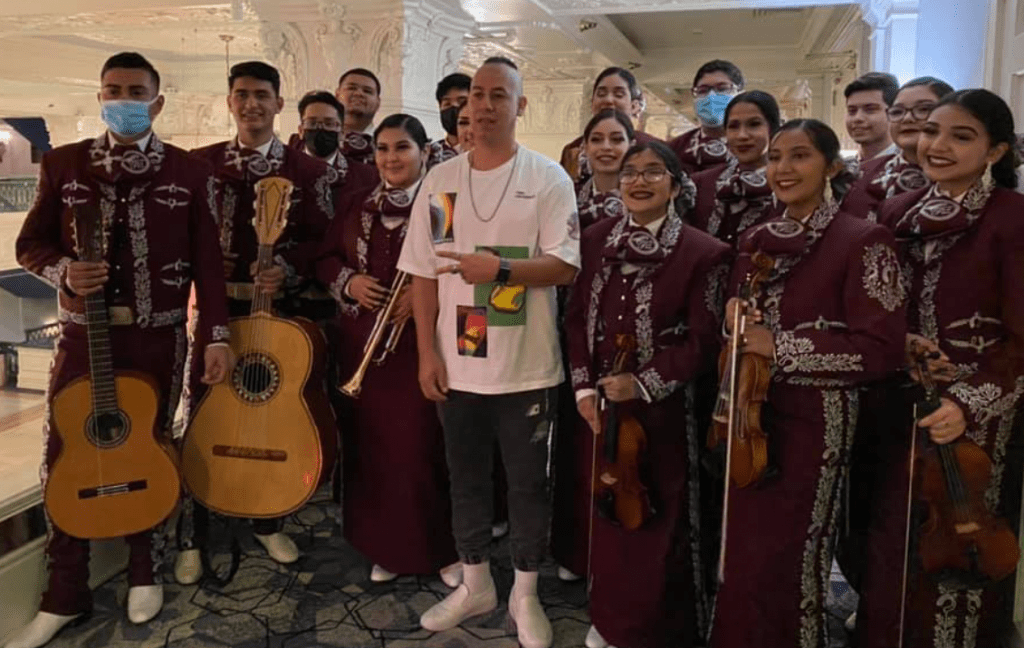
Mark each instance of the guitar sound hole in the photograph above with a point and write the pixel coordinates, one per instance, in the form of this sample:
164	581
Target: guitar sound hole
256	378
108	429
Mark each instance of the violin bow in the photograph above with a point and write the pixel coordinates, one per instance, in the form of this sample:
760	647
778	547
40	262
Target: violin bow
739	329
924	375
593	469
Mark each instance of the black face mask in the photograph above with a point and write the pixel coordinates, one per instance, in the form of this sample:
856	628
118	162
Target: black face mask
322	143
450	120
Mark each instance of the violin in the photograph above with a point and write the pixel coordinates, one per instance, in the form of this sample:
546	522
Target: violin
745	378
961	538
620	494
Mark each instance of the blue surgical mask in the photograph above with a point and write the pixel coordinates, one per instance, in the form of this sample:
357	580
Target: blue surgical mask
711	109
125	117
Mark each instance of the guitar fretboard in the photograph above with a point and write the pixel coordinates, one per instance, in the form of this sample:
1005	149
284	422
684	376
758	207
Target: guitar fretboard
104	390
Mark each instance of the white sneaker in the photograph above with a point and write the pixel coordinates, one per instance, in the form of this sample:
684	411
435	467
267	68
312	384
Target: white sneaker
380	575
499	529
452	575
457	607
188	568
41	630
279	547
144	602
594	639
532	625
567	576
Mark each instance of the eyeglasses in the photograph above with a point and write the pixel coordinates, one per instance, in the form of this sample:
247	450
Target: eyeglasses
652	175
721	88
919	112
326	124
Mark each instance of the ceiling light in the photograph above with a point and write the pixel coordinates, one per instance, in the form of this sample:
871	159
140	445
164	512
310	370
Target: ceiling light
587	25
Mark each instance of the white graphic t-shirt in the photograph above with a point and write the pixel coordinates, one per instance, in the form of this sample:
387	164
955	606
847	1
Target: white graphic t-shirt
495	339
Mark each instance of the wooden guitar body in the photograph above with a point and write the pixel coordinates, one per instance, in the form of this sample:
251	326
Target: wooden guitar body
256	445
112	478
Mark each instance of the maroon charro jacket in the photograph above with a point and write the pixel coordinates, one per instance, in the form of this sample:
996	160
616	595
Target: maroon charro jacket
157	208
236	171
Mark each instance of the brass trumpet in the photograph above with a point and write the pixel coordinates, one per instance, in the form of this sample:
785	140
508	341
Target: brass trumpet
380	325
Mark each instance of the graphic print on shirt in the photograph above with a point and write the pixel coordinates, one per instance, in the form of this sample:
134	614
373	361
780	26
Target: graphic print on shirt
442	217
471	331
506	305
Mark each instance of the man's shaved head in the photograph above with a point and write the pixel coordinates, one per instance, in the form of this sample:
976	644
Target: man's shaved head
496	98
512	70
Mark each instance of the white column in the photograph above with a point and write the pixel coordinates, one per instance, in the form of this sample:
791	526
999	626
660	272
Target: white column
893	36
902	37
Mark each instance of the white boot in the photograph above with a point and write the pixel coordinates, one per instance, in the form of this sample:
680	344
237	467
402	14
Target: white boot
452	575
532	625
279	547
41	630
594	639
144	602
567	576
380	575
188	568
475	596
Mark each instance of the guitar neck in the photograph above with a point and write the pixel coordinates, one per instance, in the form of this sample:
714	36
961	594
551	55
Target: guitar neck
262	302
101	366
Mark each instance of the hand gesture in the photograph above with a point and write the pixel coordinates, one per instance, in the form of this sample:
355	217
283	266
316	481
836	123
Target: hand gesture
475	268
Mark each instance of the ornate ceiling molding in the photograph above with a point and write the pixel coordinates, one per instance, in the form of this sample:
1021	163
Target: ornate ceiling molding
589	7
202	17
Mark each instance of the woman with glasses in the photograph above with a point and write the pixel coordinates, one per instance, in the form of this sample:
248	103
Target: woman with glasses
734	196
902	173
961	244
615	89
396	507
647	276
828	317
714	85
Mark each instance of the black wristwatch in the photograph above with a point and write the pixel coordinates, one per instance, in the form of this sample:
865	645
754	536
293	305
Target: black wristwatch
504	271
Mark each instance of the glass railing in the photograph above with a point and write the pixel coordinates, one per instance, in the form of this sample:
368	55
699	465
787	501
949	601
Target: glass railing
17	194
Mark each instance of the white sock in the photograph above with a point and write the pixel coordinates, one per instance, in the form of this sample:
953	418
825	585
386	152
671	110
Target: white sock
525	584
477	578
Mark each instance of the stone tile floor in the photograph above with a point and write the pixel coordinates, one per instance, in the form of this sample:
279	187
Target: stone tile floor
327	599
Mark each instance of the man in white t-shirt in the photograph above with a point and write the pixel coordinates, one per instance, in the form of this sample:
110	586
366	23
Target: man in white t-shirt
490	236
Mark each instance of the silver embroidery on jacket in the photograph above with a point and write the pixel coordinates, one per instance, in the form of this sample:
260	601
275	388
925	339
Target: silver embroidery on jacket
580	377
882	276
140	252
814	571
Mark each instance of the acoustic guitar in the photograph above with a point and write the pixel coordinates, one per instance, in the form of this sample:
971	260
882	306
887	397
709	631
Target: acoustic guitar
256	443
113	477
